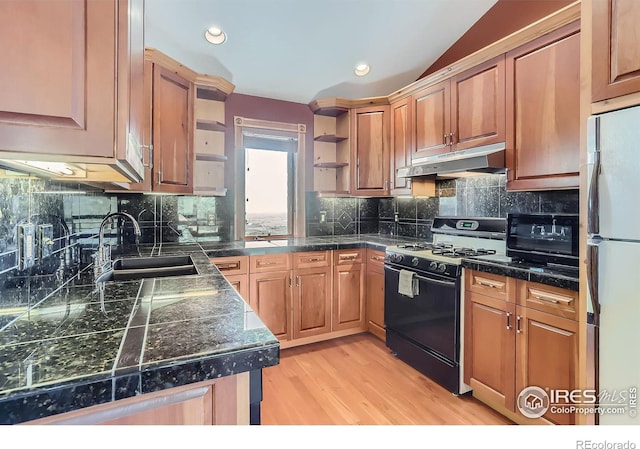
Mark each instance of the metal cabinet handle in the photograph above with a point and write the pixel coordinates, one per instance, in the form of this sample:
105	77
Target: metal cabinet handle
159	176
451	139
486	284
348	256
386	184
228	266
377	258
314	259
150	149
444	142
549	297
508	321
266	262
298	281
518	329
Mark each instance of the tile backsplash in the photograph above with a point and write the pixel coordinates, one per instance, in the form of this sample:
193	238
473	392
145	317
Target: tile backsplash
75	213
478	196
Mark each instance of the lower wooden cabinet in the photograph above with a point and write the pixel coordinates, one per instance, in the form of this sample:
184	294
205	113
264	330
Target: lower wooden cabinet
312	302
241	283
489	349
221	401
375	293
309	296
348	290
270	298
509	347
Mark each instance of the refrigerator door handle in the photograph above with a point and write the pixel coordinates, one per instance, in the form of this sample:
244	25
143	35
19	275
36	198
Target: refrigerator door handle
593	200
592	279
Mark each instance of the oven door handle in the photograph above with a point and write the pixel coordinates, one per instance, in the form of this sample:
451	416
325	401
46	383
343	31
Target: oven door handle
450	283
437	281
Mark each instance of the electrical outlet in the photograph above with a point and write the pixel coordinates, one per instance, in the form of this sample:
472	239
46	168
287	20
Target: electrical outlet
396	217
26	246
45	240
211	220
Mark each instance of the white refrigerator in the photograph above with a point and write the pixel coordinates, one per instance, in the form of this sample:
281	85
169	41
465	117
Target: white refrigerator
613	258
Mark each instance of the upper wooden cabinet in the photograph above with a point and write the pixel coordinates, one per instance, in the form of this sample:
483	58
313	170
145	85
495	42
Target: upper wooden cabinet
543	112
401	117
172	112
615	68
478	106
370	151
432	120
72	85
465	111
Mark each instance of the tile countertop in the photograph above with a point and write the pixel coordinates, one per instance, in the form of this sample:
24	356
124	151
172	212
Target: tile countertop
557	276
81	344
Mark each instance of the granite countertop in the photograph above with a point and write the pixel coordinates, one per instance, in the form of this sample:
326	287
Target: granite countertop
76	343
554	275
257	247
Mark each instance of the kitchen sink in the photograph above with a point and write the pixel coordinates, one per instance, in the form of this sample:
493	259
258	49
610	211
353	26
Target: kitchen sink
149	267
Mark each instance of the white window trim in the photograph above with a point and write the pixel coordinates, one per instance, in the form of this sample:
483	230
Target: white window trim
242	124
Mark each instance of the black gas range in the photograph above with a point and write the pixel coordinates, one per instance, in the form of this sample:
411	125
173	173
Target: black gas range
423	310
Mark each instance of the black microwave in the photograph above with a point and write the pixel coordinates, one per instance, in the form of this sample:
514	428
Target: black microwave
543	238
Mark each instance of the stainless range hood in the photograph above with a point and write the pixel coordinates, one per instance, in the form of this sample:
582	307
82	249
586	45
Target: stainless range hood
486	159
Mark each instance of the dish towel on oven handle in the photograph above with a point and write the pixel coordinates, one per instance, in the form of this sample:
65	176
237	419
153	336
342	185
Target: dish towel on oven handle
407	283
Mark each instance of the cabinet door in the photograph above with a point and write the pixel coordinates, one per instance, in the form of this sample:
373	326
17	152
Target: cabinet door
615	68
370	152
547	355
401	118
543	112
241	283
172	132
432	120
270	298
59	75
478	106
375	301
348	297
489	349
312	302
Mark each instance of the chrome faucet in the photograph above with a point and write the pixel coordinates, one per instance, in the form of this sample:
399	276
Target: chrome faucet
102	259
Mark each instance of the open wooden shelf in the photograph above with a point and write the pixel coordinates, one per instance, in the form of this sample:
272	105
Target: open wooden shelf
210	94
210	125
331	111
211	157
329	138
330	164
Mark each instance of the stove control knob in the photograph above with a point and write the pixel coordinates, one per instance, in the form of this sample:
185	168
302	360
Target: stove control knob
433	266
398	258
442	268
415	261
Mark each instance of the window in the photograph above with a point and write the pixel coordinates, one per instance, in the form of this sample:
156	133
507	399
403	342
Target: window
269	189
268	192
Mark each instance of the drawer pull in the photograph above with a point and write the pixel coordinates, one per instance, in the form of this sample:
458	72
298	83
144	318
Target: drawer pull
264	262
487	283
550	297
377	258
508	321
228	266
314	259
518	328
348	256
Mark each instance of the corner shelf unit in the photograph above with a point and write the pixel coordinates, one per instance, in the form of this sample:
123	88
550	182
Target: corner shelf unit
331	152
209	145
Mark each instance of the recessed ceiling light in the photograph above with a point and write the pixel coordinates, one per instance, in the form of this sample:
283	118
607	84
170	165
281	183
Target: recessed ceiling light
215	35
362	69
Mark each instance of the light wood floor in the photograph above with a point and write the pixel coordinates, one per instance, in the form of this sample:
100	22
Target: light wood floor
356	380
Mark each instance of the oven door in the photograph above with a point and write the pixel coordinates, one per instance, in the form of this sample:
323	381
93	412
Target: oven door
429	319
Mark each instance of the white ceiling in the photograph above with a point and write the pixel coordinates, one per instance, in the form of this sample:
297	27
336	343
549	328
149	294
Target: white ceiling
301	50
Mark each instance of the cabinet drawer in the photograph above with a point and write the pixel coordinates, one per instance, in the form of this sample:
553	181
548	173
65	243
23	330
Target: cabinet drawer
231	265
348	256
555	300
311	259
375	259
494	285
269	262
